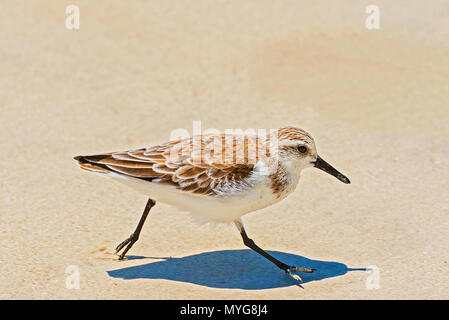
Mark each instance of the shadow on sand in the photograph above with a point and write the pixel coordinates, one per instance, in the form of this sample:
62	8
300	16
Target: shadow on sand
232	269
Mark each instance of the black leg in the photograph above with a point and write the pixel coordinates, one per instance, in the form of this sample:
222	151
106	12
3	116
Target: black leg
135	235
250	244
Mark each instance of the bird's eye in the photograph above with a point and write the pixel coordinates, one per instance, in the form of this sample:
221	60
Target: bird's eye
302	149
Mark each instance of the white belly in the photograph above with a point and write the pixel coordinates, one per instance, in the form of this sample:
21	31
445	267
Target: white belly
209	208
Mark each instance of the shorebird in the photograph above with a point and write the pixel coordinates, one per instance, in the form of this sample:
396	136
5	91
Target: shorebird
215	177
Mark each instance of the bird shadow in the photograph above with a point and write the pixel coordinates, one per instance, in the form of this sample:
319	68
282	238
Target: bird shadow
232	269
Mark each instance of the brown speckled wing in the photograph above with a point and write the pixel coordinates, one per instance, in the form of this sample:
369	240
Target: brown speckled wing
186	164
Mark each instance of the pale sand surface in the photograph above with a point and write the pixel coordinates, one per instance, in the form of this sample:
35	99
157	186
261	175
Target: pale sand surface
376	102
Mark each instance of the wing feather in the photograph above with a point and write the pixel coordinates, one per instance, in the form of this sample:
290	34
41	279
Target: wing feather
185	164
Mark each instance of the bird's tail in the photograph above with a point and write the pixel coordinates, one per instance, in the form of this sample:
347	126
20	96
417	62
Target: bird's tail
87	163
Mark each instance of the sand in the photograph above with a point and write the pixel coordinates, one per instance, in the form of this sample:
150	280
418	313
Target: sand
376	102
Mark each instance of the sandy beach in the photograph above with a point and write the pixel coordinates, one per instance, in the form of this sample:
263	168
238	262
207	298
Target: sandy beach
376	102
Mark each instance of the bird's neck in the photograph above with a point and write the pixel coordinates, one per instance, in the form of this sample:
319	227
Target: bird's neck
284	179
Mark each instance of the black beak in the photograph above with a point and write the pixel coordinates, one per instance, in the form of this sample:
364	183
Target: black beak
326	167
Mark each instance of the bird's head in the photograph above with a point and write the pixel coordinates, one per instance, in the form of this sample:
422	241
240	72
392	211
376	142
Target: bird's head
297	151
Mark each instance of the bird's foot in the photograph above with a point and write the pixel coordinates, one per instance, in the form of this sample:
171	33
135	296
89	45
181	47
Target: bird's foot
295	276
128	243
